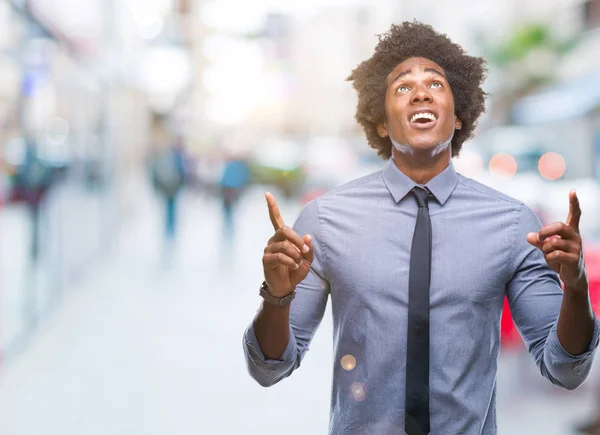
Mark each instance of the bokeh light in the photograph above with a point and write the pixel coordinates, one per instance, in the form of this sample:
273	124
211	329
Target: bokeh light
358	391
469	164
503	166
348	362
552	166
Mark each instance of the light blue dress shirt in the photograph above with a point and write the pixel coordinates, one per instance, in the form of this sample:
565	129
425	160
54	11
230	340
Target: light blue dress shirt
362	234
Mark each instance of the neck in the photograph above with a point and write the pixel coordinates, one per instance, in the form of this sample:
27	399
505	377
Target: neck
421	167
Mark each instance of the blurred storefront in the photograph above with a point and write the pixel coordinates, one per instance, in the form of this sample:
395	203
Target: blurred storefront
53	188
67	105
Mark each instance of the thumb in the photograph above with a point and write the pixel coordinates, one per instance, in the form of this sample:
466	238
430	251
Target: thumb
532	238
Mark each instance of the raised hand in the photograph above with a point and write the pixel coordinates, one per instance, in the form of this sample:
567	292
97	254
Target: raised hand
562	247
287	257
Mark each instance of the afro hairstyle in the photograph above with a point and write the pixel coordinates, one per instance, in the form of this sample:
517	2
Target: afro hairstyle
465	75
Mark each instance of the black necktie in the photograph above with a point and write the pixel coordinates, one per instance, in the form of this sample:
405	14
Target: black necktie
416	420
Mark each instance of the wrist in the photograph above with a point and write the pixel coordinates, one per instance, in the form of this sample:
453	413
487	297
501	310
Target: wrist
282	298
577	290
277	292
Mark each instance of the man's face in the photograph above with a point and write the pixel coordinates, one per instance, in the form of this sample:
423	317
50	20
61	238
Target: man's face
419	105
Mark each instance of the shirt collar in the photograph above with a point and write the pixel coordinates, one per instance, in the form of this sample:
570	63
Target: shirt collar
399	185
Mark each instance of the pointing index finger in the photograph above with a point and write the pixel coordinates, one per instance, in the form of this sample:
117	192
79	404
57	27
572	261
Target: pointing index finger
274	213
574	210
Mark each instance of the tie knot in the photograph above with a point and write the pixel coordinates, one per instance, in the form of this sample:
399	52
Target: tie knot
421	195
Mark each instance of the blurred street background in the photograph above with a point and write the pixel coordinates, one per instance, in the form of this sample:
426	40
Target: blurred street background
137	139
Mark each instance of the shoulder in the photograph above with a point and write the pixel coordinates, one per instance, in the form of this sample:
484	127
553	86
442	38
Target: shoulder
357	185
339	200
519	213
481	190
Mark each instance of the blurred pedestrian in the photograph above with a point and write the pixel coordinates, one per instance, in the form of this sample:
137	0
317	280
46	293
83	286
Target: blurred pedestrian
168	178
417	259
32	180
235	178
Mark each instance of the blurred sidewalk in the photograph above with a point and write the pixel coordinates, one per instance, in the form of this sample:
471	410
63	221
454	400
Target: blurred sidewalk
70	240
143	348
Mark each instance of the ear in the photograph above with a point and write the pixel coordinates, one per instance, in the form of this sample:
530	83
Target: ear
382	129
458	124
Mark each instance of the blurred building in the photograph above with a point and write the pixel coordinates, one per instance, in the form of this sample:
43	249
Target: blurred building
565	112
323	50
80	82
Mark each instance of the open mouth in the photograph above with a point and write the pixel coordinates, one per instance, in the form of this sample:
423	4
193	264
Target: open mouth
423	120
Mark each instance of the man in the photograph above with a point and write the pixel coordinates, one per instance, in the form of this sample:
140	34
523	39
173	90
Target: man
168	178
417	260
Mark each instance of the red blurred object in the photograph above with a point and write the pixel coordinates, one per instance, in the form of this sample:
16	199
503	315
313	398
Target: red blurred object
509	336
312	194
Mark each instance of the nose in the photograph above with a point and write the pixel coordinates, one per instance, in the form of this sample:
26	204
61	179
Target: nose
421	95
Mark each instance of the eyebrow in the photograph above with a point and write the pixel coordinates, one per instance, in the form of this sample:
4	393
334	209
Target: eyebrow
408	71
